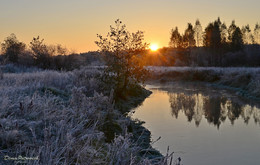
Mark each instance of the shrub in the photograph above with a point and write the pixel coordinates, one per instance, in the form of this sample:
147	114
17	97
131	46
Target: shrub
12	48
41	53
122	50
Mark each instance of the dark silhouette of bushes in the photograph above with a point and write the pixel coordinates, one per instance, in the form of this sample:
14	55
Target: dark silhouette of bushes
12	48
40	55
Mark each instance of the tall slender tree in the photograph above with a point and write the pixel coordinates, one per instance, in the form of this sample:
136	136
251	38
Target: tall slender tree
198	34
257	33
237	40
224	33
248	37
188	37
231	30
175	39
212	40
212	37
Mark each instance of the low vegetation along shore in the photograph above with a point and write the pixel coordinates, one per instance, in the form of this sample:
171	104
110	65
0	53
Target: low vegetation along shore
245	81
63	118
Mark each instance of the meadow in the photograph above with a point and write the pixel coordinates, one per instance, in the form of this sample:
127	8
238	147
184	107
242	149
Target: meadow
63	118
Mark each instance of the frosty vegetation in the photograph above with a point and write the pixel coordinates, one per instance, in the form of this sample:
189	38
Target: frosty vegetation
62	118
245	81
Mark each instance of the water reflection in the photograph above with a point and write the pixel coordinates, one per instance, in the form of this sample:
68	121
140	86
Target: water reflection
215	108
212	126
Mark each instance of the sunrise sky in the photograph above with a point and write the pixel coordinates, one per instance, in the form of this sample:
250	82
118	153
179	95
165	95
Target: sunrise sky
75	23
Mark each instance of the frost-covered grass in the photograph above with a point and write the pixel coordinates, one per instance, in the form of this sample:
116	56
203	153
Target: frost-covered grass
12	68
63	118
245	80
215	69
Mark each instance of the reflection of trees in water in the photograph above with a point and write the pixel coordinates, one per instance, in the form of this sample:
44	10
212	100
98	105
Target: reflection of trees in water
212	110
178	103
197	109
256	114
190	105
234	111
215	109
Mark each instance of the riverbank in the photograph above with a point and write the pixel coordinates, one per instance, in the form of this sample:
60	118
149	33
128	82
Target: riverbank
194	117
63	117
141	135
244	81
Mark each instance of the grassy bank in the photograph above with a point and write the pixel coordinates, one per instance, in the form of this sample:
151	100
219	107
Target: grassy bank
245	81
141	135
63	118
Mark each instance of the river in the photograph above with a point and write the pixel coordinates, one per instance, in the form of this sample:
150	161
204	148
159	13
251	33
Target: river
201	124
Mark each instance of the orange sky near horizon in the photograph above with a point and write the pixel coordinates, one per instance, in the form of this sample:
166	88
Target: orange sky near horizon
75	24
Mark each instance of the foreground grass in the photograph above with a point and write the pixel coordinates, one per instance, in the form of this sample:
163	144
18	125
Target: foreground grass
245	81
63	118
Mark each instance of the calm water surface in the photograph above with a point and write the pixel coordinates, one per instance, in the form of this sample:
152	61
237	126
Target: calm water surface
202	125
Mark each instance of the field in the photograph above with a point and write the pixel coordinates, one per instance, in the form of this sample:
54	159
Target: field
63	118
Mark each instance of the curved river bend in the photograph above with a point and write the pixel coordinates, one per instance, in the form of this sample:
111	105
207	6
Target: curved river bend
202	125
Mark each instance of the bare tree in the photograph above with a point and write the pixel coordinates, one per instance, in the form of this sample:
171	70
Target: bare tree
248	37
257	33
198	33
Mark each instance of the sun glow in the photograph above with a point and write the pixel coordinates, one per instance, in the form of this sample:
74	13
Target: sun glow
154	47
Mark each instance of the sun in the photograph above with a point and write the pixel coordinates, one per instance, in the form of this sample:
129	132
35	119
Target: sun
154	47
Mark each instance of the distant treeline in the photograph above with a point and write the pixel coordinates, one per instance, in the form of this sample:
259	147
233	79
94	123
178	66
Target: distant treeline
217	45
249	56
216	35
41	55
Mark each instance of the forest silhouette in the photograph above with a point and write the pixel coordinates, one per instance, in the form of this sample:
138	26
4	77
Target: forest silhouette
216	45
